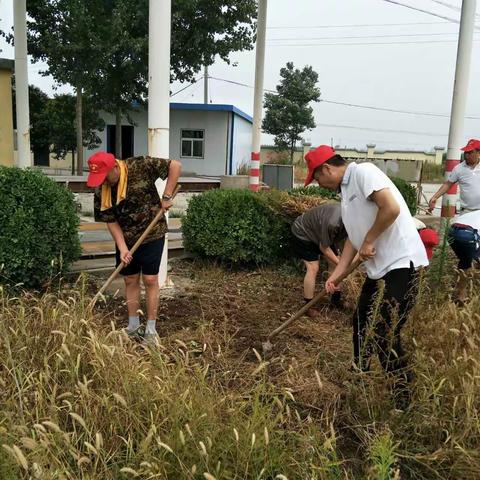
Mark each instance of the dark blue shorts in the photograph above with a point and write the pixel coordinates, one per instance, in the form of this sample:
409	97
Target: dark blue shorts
146	259
465	242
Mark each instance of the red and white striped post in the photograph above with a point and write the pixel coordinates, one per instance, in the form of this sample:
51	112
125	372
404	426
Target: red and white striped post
258	95
459	101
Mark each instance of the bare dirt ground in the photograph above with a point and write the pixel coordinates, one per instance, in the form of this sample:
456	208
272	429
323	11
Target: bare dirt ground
226	314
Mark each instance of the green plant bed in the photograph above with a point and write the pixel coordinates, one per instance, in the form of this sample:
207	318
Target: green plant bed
408	192
38	228
314	190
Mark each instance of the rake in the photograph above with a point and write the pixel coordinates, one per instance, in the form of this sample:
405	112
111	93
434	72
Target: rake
158	217
267	345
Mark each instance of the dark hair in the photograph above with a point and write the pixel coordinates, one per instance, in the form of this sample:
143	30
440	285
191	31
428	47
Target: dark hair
336	161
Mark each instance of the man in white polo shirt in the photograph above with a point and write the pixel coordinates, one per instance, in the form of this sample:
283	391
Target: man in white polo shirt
467	174
380	228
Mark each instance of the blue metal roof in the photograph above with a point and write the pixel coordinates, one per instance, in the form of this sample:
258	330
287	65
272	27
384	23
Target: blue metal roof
211	107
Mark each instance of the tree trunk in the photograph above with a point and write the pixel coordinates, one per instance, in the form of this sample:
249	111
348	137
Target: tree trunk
292	151
79	122
118	134
73	162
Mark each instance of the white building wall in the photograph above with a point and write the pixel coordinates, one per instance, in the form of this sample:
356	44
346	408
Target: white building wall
217	144
242	143
215	125
140	128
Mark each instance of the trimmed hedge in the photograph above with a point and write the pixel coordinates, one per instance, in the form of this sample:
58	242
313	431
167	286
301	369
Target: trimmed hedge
235	226
314	190
38	228
242	227
408	192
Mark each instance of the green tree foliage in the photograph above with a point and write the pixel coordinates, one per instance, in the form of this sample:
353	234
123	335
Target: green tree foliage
52	123
288	112
38	234
409	193
62	133
100	46
39	124
70	36
212	27
121	79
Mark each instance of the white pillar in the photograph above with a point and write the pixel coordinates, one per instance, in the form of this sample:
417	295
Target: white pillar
258	95
205	85
459	100
159	25
21	83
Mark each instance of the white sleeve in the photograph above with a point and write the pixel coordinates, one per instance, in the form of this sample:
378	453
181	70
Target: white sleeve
453	175
371	179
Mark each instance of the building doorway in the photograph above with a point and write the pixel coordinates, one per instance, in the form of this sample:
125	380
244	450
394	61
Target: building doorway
127	141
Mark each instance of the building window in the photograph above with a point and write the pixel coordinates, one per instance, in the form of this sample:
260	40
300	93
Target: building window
192	143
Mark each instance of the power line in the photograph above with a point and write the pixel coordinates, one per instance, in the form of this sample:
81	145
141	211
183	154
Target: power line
448	5
428	12
306	27
356	105
364	36
195	90
387	130
239	83
386	109
456	8
360	43
188	86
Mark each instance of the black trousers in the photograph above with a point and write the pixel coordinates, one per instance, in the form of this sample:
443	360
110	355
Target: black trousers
377	323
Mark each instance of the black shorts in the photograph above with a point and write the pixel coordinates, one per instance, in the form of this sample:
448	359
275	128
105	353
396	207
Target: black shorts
145	260
307	251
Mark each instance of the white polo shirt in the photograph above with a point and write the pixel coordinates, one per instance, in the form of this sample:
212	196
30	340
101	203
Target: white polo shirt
469	181
472	219
400	243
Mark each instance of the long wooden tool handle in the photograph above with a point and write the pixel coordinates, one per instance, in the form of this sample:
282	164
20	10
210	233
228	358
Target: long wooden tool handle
313	301
142	237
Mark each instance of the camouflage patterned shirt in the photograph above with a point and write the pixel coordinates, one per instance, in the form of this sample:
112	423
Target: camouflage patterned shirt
142	202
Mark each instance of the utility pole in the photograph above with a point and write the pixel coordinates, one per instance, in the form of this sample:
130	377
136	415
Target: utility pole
459	101
21	83
205	84
159	26
258	95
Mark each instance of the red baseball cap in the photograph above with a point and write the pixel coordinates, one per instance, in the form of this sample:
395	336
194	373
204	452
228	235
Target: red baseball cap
99	164
472	145
317	157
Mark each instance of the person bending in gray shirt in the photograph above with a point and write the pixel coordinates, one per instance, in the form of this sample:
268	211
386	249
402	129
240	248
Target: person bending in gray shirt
316	233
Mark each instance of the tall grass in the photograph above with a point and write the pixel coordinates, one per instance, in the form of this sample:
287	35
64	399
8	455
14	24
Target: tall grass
433	172
80	400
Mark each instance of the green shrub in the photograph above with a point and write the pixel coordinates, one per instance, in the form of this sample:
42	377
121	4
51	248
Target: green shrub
315	191
408	193
38	228
236	226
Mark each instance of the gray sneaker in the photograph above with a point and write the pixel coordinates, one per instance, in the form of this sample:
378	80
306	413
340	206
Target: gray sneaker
137	333
150	339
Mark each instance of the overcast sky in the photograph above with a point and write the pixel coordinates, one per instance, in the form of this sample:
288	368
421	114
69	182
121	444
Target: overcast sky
366	52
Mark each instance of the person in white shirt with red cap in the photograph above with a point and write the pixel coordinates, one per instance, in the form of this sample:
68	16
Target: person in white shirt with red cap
467	175
380	228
